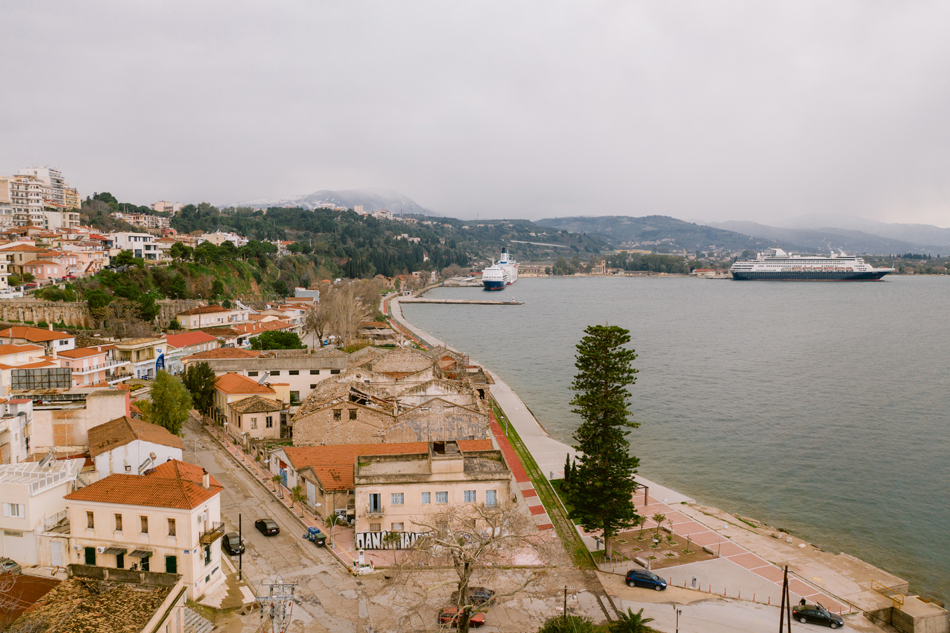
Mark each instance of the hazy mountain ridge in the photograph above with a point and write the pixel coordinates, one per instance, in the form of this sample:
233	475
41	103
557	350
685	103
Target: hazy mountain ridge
372	199
926	235
824	239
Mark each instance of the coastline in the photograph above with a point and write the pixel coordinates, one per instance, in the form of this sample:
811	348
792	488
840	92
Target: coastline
848	579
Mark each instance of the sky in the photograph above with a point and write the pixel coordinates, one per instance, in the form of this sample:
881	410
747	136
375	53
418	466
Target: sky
700	110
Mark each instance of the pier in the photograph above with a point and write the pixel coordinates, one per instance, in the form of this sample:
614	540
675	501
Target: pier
484	302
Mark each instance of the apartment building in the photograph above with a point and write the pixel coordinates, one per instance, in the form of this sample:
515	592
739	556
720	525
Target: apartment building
181	346
167	520
163	206
96	366
127	445
51	341
211	316
16	418
145	355
141	245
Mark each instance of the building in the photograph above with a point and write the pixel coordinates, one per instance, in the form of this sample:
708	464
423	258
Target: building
32	501
163	206
218	238
211	316
393	489
95	365
62	417
127	445
167	520
255	418
181	346
15	426
141	245
53	181
145	355
233	387
53	342
73	201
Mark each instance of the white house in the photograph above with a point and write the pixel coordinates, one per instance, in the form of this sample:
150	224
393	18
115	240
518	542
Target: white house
14	428
127	445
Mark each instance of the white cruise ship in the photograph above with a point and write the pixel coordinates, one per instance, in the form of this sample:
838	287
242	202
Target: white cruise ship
777	265
500	274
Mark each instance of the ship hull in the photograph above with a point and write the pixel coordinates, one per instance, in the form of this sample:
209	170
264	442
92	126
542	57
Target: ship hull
809	276
493	285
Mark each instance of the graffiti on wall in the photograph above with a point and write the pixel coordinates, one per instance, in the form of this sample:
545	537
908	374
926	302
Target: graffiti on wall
382	540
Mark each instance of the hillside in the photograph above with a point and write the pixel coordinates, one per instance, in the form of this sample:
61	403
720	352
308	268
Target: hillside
824	239
927	236
660	233
372	199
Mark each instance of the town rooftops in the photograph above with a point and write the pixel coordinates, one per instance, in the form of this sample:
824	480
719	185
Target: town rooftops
204	310
256	404
33	334
225	352
236	383
171	485
189	338
124	430
333	465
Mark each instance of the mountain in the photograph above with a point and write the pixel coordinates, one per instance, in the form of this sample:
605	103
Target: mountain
823	240
372	199
659	232
926	235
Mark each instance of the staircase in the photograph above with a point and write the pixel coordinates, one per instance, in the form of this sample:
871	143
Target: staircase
195	623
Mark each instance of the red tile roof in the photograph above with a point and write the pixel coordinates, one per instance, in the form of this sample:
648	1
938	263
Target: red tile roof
189	338
225	352
171	485
124	430
33	334
236	383
204	310
83	352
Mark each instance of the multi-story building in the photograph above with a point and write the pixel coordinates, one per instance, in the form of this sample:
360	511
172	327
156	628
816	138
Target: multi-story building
163	206
15	426
53	342
127	445
211	316
233	387
141	245
53	180
72	200
255	418
62	417
182	345
146	356
95	365
218	238
32	501
167	520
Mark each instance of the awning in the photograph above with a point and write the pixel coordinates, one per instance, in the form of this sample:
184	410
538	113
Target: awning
115	551
141	553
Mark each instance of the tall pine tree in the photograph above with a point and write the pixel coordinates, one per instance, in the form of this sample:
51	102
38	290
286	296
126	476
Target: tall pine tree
602	485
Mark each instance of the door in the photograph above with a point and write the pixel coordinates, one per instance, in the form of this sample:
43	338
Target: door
375	503
90	555
311	494
120	561
56	553
171	564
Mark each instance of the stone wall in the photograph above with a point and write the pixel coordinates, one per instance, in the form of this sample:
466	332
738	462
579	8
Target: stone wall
76	314
171	307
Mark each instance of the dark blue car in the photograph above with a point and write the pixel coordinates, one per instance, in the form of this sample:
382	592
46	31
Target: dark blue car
644	578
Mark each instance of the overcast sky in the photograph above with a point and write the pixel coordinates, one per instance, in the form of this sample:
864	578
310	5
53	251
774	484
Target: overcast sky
707	110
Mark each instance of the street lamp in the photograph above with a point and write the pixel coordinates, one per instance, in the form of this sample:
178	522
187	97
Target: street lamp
678	612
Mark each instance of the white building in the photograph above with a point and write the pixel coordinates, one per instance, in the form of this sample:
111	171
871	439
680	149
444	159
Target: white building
127	445
141	244
163	206
14	429
32	501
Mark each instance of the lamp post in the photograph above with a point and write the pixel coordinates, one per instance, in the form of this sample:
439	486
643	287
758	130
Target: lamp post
678	612
719	553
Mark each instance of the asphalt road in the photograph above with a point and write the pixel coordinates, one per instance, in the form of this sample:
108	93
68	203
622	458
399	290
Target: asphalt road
330	599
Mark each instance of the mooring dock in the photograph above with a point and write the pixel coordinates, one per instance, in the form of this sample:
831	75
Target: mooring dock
484	302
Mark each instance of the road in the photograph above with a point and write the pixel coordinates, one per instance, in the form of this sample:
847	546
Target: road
330	599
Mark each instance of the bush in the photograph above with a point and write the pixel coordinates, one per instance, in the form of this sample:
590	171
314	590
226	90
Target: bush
570	624
174	325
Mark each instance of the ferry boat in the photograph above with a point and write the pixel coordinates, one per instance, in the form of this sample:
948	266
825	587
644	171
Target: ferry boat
777	265
500	274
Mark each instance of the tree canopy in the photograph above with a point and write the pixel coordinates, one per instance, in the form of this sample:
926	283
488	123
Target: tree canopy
200	379
170	402
276	339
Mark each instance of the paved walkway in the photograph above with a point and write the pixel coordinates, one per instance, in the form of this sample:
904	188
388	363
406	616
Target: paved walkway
525	487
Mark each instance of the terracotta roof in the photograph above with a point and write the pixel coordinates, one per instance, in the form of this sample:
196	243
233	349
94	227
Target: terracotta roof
171	485
236	383
333	465
25	248
204	310
256	404
121	431
16	349
189	338
33	334
83	352
225	352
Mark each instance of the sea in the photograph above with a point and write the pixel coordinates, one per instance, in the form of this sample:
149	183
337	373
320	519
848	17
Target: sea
820	408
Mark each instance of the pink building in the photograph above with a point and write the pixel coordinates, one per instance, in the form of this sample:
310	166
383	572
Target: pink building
95	365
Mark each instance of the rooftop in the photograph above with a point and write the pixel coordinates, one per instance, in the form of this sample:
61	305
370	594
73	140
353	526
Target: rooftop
204	310
189	338
124	430
83	352
39	476
173	484
236	383
256	404
33	334
225	352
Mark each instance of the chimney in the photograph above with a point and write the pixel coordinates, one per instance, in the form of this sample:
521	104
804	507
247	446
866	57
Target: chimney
205	479
50	327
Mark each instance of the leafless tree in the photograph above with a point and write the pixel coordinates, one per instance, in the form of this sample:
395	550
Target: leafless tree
345	312
122	320
316	321
452	270
477	542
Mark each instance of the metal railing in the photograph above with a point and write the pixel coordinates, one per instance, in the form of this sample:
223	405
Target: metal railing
211	535
896	597
100	367
375	511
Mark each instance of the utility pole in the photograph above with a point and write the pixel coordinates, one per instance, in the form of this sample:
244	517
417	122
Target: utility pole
240	551
278	605
565	605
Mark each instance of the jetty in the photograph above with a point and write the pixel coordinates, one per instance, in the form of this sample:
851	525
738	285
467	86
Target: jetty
484	302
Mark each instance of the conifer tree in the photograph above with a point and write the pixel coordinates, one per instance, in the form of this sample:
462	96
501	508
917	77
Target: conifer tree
602	483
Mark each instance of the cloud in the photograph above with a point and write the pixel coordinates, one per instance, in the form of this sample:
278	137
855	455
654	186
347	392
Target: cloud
726	110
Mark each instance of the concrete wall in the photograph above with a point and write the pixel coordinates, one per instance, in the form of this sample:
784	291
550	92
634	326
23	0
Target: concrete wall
917	616
70	426
132	455
77	314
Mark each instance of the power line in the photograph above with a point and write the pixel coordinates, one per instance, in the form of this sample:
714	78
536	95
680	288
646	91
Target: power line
278	605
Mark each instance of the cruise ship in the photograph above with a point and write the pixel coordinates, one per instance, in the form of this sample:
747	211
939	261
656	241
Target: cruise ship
502	273
777	265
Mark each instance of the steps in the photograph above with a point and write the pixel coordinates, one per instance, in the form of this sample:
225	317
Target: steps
195	623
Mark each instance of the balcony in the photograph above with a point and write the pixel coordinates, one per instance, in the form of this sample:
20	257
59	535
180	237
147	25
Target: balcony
375	512
210	536
108	365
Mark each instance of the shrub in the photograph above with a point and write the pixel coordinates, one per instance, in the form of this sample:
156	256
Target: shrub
569	624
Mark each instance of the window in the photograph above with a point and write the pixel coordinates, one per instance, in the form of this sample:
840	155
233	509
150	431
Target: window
397	527
253	423
426	498
14	510
469	496
294	372
442	497
275	373
144	525
207	554
295	396
491	498
270	422
313	386
352	414
171	527
338	414
90	521
252	373
375	503
334	371
314	372
396	498
118	523
375	527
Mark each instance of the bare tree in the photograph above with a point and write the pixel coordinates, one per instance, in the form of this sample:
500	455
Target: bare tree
316	321
122	320
477	542
345	312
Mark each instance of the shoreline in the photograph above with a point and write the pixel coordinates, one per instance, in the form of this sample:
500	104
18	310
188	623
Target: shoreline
836	574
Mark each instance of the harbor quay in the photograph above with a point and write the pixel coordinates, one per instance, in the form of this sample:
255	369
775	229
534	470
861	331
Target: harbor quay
731	557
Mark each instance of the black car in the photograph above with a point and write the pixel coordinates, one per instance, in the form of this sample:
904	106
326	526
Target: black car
478	595
645	578
267	527
232	544
817	614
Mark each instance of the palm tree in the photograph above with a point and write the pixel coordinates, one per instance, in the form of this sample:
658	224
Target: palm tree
631	622
277	482
297	495
332	521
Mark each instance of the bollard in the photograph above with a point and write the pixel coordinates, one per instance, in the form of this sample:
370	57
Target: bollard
739	597
770	600
753	597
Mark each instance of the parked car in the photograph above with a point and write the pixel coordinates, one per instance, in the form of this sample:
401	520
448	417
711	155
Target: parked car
478	595
450	615
231	543
645	578
267	527
9	566
816	614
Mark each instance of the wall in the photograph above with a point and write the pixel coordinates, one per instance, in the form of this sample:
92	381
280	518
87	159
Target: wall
438	420
69	426
76	314
133	454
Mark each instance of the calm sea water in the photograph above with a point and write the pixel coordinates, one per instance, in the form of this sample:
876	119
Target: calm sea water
820	408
